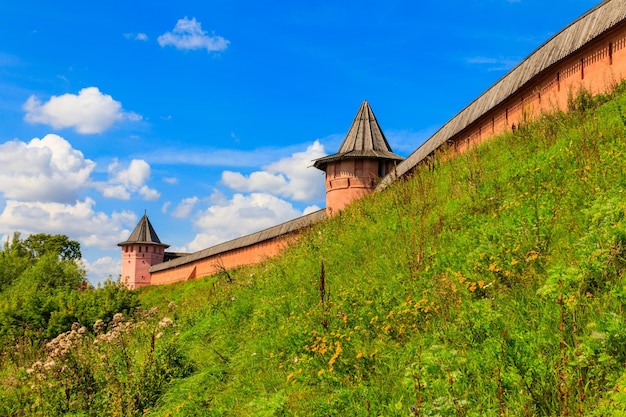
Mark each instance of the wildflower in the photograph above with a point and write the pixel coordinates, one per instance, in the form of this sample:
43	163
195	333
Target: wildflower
98	326
165	322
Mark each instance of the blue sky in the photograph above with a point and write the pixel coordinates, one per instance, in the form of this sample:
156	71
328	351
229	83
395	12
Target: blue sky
207	114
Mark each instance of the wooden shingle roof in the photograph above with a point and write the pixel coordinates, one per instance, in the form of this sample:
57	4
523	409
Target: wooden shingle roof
364	139
589	26
143	234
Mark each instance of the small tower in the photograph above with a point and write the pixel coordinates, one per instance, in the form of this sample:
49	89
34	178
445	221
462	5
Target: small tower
142	250
363	158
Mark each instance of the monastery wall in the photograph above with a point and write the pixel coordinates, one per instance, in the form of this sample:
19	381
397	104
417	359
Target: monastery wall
589	54
246	250
598	68
213	264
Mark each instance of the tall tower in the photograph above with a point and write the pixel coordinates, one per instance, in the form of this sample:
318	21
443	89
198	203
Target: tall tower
142	250
363	158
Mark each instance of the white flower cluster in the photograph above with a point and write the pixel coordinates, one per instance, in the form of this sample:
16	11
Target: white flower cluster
117	327
57	349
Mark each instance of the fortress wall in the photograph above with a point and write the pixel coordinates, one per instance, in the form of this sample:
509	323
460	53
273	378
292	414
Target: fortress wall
598	68
213	264
246	250
590	53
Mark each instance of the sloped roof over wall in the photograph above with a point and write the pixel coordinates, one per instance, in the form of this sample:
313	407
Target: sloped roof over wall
144	234
592	24
364	139
244	241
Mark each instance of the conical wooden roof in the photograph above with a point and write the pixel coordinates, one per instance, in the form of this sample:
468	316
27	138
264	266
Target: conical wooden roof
144	234
364	139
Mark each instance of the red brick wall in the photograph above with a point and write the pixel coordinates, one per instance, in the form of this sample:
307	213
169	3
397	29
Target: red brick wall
232	259
597	67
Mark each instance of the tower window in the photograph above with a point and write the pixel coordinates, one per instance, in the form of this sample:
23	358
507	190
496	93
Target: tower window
382	169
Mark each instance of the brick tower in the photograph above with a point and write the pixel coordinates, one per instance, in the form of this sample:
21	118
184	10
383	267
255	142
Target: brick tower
142	250
363	158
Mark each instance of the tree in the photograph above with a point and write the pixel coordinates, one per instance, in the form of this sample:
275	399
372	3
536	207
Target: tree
14	259
60	245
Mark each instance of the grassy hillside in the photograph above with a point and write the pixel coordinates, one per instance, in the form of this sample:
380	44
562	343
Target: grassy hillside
490	283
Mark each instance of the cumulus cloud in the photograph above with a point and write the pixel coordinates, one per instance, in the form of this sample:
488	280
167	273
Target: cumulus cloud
184	208
241	215
291	177
125	181
103	268
79	221
188	34
47	170
88	112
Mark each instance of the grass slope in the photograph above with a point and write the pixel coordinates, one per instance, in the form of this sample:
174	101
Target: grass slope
489	283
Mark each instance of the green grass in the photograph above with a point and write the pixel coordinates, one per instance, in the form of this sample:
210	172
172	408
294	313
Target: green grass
489	283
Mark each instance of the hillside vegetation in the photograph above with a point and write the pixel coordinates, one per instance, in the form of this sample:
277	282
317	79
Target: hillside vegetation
489	283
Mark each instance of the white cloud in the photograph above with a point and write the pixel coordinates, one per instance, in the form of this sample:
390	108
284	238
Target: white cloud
184	207
136	36
125	181
149	194
291	177
47	169
188	34
88	112
241	215
103	268
493	64
78	221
